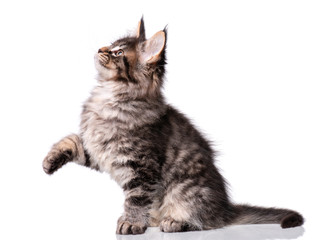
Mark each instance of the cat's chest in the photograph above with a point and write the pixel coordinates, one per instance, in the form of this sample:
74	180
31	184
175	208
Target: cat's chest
113	131
105	140
104	133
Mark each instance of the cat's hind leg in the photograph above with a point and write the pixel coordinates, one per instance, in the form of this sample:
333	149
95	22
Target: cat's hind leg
181	207
67	149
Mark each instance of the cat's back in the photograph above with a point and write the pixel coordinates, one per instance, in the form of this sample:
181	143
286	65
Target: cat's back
185	134
188	154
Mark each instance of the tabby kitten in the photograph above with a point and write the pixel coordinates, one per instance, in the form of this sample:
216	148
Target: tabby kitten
163	163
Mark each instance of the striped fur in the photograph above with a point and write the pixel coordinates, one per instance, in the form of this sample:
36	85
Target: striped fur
162	162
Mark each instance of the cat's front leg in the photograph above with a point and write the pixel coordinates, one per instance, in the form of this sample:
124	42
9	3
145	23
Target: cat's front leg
67	149
140	184
136	214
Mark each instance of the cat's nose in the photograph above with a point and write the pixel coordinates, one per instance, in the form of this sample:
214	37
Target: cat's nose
103	49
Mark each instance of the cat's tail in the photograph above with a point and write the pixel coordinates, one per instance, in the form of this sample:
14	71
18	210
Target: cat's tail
246	214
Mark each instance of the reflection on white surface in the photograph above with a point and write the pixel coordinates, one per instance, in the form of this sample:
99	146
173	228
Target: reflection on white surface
242	232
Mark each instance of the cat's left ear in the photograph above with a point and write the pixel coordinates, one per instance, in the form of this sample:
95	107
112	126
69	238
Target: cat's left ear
140	32
154	47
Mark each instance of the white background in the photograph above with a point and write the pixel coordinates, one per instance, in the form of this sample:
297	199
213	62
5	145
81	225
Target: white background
257	77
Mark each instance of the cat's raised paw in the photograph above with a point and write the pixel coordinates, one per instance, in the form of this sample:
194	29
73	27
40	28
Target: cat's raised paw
125	227
55	160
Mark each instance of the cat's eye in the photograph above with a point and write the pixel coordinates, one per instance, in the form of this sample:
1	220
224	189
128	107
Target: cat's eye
118	53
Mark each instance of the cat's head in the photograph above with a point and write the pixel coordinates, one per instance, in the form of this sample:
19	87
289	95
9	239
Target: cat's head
134	61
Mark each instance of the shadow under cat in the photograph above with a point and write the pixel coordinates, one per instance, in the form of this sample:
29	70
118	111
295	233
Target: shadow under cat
240	232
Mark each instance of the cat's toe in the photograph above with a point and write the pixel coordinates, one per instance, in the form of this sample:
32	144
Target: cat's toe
55	160
170	225
125	227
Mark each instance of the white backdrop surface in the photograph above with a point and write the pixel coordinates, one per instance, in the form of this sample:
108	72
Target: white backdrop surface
257	77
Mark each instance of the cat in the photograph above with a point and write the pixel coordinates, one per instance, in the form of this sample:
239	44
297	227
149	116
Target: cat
164	165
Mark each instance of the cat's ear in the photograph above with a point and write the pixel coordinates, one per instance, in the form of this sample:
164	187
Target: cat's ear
140	32
154	47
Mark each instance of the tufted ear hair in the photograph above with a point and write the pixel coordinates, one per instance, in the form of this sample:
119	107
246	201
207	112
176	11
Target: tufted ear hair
140	32
154	47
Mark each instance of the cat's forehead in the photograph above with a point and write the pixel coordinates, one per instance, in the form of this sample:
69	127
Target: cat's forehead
124	43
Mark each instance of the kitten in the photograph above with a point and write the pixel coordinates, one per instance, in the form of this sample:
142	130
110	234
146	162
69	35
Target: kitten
163	163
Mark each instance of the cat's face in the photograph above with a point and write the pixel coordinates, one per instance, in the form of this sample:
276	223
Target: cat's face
117	61
133	60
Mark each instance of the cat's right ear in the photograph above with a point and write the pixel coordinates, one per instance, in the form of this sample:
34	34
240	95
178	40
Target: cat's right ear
140	33
153	48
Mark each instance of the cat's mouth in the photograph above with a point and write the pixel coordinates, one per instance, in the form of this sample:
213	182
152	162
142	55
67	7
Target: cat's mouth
105	66
103	59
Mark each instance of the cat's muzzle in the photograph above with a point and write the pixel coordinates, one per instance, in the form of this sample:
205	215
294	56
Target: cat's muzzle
103	58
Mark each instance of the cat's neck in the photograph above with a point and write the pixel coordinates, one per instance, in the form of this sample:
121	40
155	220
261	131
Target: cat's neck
123	92
110	100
